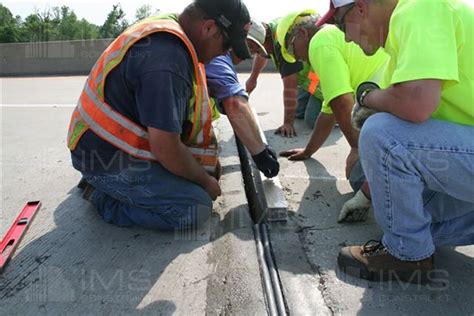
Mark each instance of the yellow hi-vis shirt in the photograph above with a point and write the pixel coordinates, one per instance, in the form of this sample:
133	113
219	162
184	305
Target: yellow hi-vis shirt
341	66
433	39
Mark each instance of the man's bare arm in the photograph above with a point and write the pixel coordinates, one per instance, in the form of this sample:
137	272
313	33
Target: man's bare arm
290	97
413	101
259	63
173	155
244	123
342	108
322	129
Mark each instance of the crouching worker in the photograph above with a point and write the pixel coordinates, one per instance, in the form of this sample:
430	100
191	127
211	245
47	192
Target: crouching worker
141	133
341	66
232	100
418	152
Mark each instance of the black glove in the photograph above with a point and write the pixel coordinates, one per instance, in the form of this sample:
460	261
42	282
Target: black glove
267	162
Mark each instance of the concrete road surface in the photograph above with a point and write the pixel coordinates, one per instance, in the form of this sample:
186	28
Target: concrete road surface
71	262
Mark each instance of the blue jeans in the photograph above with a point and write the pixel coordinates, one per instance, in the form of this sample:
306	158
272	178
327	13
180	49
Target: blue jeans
308	107
357	176
146	194
421	178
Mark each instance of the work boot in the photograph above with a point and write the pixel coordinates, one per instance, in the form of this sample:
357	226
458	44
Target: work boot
82	184
373	262
87	192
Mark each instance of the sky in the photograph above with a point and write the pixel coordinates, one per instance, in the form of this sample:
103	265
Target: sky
96	11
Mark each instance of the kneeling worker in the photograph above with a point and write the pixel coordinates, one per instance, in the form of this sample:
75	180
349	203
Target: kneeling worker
341	67
141	134
301	93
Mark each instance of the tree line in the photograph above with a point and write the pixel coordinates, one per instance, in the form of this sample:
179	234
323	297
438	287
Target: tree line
61	23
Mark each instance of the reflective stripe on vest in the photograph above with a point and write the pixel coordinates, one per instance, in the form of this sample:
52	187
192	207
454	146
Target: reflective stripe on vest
93	112
313	85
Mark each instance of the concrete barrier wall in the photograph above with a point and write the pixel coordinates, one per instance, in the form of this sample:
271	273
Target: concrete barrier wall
61	58
50	58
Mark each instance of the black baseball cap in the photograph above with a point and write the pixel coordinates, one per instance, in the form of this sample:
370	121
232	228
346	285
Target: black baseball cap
233	17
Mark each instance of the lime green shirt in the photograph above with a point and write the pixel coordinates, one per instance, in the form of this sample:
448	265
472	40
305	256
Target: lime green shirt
434	40
341	66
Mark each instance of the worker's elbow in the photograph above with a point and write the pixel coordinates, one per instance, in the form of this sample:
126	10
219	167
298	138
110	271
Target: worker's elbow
234	105
423	112
159	154
162	152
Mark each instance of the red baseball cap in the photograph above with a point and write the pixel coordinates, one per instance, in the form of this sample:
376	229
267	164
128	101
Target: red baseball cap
333	6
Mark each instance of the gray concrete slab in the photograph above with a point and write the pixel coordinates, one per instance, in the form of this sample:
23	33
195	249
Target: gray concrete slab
306	247
47	91
71	262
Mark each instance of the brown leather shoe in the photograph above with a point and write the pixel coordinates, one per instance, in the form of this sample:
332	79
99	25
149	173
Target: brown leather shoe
373	262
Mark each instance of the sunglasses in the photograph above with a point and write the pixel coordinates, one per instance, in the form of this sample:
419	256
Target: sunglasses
339	21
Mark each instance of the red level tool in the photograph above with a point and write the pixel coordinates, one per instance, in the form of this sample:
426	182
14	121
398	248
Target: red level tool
16	232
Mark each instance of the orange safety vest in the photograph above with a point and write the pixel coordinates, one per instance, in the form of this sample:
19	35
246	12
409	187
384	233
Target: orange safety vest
314	81
92	112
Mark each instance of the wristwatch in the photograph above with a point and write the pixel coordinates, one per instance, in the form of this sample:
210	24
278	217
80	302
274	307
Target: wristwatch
363	90
362	97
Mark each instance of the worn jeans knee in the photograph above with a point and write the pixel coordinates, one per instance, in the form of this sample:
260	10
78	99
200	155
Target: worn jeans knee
148	195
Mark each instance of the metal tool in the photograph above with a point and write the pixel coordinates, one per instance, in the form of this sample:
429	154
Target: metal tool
16	232
274	201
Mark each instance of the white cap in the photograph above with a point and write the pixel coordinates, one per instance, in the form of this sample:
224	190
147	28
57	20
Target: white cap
341	3
257	34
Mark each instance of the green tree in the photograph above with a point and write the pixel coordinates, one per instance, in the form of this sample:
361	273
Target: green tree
56	24
41	27
32	28
88	30
70	28
9	26
67	25
115	23
143	12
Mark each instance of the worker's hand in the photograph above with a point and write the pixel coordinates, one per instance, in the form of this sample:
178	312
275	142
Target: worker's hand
212	187
360	112
250	85
351	159
356	209
267	162
286	130
296	154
